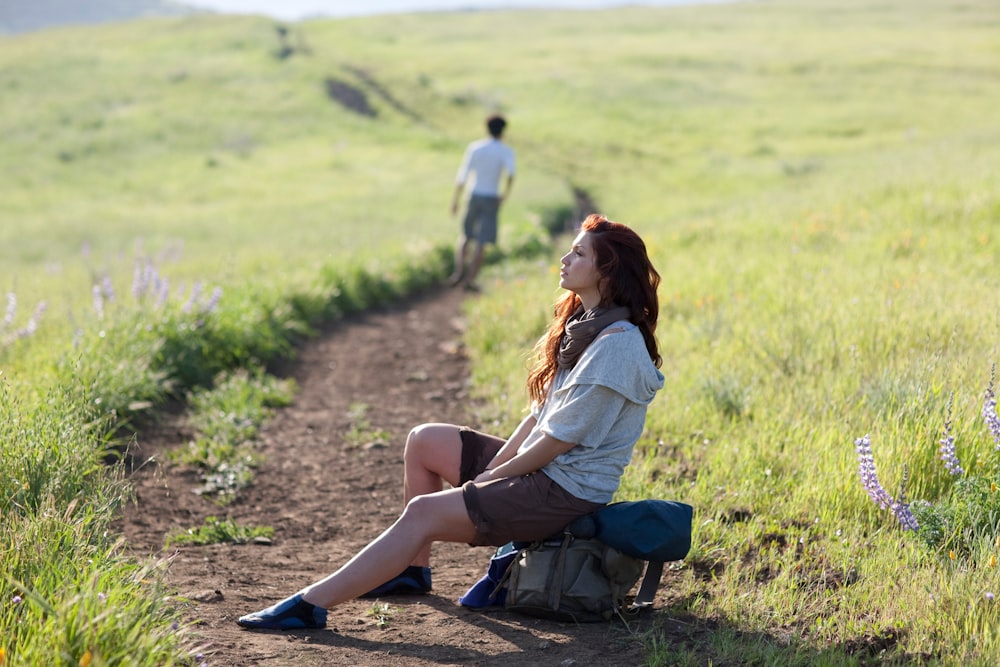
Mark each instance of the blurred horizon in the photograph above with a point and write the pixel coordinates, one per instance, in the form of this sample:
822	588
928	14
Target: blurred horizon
303	9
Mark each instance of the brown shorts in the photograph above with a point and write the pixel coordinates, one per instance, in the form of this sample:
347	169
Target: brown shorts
524	509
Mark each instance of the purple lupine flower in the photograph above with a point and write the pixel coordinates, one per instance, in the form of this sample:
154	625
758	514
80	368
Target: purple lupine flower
905	516
869	477
193	299
162	291
151	277
98	297
901	508
139	283
948	447
32	326
990	410
213	301
8	317
108	289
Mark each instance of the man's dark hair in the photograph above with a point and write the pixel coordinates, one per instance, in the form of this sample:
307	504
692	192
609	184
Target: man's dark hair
495	124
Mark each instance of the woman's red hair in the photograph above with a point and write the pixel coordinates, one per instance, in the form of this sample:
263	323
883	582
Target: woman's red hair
627	279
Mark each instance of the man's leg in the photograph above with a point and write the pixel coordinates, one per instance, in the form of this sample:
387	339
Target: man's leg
474	266
461	252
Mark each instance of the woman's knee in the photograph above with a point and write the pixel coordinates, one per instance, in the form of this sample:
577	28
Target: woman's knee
420	515
438	516
426	442
416	442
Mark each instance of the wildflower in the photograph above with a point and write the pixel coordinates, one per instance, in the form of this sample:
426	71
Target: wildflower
3	655
989	596
85	659
951	554
195	293
905	516
161	290
990	410
901	508
108	289
213	301
8	318
17	599
32	326
145	279
140	282
993	560
98	298
869	479
102	597
947	450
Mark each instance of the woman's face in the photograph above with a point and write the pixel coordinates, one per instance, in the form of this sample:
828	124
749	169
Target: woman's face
579	271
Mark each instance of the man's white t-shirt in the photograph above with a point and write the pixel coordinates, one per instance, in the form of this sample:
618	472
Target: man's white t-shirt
486	159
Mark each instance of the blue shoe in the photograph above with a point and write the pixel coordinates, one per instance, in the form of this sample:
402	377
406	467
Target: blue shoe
292	613
413	580
487	592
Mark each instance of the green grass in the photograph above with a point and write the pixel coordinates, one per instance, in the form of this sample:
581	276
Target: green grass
817	183
218	531
226	418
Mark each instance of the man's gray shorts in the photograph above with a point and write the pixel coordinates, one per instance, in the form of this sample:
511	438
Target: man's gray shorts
481	219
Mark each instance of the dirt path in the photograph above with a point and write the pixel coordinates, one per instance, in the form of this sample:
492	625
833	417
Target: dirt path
326	497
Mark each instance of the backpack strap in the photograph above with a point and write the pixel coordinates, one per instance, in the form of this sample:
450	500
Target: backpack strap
557	574
650	582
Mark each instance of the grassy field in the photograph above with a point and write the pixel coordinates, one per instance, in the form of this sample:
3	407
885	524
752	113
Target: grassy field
818	185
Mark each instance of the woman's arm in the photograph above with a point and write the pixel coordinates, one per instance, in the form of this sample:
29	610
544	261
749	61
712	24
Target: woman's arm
510	447
541	451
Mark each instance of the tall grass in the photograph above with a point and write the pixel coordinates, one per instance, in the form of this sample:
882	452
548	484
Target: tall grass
816	183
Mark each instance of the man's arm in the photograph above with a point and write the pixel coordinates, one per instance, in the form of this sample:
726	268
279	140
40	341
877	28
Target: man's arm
455	197
509	186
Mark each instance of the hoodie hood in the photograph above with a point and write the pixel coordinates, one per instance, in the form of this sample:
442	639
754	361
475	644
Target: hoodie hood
609	355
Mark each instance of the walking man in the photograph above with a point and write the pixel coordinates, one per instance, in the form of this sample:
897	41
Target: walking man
486	160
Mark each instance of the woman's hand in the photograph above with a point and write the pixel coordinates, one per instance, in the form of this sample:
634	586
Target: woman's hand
534	456
485	476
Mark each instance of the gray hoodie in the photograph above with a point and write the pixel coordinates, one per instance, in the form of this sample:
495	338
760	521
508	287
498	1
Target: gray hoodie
600	405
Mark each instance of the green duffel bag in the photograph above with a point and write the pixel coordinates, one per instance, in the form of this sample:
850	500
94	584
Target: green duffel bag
572	579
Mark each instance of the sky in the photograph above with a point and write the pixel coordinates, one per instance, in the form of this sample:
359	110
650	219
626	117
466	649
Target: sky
293	10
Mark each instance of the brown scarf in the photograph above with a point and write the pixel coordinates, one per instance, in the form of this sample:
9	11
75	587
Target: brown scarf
582	328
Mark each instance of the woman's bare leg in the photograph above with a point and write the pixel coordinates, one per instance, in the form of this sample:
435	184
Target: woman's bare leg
433	455
438	516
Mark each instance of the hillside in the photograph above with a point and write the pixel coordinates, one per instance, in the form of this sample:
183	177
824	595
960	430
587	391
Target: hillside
185	202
